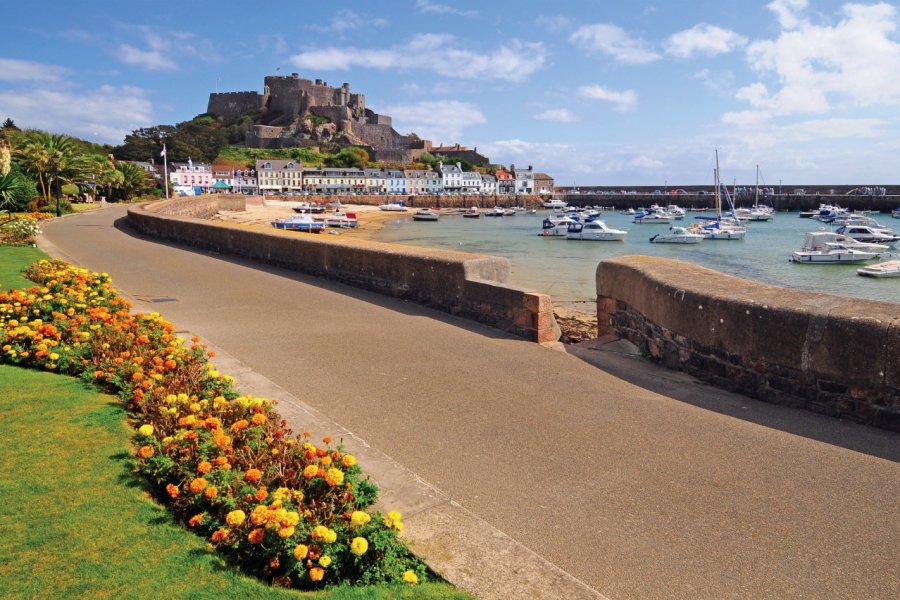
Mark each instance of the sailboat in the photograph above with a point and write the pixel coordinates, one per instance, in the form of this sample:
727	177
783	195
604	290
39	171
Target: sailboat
760	213
718	228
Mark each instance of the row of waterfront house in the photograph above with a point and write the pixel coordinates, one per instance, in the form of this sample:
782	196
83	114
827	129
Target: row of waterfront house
271	176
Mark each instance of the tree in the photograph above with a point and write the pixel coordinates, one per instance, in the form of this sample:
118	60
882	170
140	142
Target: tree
349	157
9	124
135	180
16	190
47	155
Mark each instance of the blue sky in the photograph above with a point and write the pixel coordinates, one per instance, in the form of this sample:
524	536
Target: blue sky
592	92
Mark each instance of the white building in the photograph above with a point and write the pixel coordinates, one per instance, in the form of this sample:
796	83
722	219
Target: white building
524	179
471	182
488	184
451	176
396	182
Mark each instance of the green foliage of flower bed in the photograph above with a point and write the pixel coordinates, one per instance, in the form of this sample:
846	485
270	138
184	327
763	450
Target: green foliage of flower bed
286	509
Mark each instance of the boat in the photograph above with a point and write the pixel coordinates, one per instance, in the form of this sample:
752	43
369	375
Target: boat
393	206
817	249
596	231
896	213
509	212
308	208
838	238
864	233
627	211
556	227
555	204
497	211
676	211
888	268
472	213
654	215
302	222
426	214
342	220
719	227
677	235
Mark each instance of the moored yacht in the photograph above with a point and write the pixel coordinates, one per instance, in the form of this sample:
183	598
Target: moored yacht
817	249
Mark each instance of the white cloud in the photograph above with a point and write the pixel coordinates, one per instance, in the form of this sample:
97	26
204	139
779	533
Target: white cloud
623	101
433	8
703	39
788	12
412	89
554	23
558	115
603	38
720	81
152	60
441	53
14	70
817	68
105	114
347	20
441	121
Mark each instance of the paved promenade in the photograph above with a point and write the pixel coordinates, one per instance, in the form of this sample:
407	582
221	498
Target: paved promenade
635	481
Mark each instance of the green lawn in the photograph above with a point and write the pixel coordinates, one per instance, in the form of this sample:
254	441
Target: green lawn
12	260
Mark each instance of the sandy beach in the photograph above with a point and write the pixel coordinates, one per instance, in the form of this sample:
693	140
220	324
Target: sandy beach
577	320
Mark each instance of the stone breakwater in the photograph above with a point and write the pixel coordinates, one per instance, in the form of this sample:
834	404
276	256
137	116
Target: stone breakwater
828	354
468	285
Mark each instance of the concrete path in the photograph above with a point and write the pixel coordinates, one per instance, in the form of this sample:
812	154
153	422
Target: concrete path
621	479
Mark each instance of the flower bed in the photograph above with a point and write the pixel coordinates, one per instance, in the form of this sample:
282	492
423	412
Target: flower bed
280	506
21	229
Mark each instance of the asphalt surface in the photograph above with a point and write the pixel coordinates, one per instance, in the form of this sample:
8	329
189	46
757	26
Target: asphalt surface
640	482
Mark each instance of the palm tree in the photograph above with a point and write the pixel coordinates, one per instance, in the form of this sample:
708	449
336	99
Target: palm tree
48	155
134	179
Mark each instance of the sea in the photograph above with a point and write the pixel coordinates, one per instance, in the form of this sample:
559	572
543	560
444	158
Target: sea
566	269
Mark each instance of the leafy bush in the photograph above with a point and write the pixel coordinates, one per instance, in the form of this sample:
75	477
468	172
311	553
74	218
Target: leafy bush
282	507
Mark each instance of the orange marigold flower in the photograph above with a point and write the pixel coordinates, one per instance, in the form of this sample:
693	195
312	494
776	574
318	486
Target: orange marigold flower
258	419
170	364
221	439
220	535
173	490
348	461
211	492
196	520
204	467
212	423
253	475
146	451
256	536
285	532
262	493
198	485
316	573
240	425
321	452
310	471
327	439
220	460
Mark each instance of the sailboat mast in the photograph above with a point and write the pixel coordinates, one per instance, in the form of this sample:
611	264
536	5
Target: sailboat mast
716	178
756	199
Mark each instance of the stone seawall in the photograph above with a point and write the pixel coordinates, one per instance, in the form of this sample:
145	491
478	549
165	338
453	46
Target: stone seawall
468	285
830	354
425	200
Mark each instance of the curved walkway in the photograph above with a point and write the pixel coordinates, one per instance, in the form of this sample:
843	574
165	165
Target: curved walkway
689	493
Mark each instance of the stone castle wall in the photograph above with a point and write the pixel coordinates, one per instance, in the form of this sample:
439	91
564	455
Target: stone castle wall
234	104
830	354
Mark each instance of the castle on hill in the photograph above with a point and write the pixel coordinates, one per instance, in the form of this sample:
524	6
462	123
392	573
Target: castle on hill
288	104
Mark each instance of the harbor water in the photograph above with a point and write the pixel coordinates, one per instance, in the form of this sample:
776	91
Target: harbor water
565	269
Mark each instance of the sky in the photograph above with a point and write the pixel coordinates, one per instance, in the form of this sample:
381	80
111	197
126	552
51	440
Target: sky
593	92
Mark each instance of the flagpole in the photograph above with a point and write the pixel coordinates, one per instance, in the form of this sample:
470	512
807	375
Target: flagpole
165	171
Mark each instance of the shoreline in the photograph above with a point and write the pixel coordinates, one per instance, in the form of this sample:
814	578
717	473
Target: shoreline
576	319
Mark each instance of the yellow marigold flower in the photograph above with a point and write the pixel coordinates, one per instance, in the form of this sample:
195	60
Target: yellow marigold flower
393	521
258	419
146	451
348	461
194	407
410	577
310	471
360	518
325	560
326	461
359	545
235	518
316	574
198	485
301	551
54	356
331	536
285	532
259	515
334	477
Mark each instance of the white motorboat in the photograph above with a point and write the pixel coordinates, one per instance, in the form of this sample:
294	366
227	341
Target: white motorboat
556	227
864	233
596	231
346	220
896	213
426	214
719	230
393	206
817	250
676	211
555	204
472	213
677	235
888	268
627	211
497	211
827	236
653	217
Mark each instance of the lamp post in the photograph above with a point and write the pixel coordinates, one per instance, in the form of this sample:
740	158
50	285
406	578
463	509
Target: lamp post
56	177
